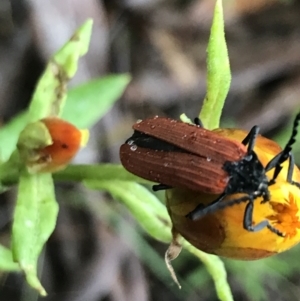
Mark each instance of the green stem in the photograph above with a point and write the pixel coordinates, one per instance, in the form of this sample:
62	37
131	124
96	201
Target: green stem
10	171
216	269
103	171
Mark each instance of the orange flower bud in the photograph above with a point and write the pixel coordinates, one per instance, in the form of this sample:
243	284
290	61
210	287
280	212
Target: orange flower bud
59	143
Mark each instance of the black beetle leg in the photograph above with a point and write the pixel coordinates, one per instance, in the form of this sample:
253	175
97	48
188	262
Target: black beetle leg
158	187
200	211
198	122
289	177
273	164
276	164
291	170
248	221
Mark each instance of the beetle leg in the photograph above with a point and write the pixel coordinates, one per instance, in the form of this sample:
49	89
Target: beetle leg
266	195
198	122
274	163
275	231
200	211
291	170
296	184
248	221
250	138
289	177
158	187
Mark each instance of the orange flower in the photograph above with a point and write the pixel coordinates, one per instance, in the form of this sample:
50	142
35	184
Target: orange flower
222	232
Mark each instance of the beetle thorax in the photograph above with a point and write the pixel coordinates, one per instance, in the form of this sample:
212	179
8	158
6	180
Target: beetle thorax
247	176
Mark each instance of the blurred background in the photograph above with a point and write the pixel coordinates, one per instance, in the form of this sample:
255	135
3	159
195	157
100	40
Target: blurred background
97	251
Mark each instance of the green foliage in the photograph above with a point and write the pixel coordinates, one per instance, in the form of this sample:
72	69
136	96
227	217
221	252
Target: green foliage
6	260
103	172
89	102
50	94
218	72
216	269
85	105
36	209
144	206
34	221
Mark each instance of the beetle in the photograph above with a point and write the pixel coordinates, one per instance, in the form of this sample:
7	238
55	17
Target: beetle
178	154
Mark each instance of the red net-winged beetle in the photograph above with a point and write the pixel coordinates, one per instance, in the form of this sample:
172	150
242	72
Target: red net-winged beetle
178	154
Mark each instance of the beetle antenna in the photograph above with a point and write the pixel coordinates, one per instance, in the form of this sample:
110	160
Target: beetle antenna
292	140
251	138
286	153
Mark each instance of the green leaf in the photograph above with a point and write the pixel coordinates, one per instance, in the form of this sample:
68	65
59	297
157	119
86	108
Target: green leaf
87	103
143	205
6	260
9	135
34	221
51	91
218	72
78	45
